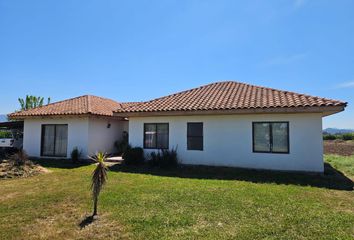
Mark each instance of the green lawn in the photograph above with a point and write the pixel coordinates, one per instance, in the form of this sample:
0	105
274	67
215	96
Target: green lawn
342	162
189	203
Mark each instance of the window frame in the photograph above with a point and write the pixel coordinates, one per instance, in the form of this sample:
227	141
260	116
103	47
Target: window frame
190	136
55	135
271	136
168	135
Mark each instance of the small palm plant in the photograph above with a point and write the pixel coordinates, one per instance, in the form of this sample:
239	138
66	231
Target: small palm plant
99	178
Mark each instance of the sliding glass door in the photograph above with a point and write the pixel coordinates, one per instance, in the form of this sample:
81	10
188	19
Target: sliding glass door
54	140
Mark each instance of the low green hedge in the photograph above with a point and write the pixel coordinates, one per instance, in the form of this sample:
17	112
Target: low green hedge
345	136
134	156
5	134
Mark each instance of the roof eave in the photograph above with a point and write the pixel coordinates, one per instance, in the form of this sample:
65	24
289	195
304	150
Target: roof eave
325	110
23	117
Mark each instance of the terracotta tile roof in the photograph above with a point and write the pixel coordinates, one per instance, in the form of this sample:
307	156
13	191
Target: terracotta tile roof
125	105
215	96
229	96
86	104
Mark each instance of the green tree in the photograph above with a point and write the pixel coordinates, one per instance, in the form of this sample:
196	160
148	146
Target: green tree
99	178
31	102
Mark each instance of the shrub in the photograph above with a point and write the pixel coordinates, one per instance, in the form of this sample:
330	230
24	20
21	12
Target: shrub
5	134
134	156
347	136
75	154
329	137
154	159
20	159
164	158
122	145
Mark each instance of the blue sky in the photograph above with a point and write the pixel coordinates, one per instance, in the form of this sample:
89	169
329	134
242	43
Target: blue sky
138	50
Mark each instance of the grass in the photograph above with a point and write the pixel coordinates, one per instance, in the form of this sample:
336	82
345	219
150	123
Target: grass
342	162
188	203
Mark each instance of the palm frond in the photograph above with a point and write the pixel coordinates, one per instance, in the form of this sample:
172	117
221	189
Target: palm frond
99	177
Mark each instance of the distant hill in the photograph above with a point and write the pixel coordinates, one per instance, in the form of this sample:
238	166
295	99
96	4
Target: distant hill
337	130
3	118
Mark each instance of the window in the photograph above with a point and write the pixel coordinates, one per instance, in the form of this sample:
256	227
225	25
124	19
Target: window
156	135
271	137
195	136
54	140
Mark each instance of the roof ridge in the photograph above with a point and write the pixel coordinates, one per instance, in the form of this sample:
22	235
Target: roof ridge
88	102
126	107
69	99
170	95
284	91
104	98
242	83
184	91
218	94
65	100
129	102
85	104
221	95
52	103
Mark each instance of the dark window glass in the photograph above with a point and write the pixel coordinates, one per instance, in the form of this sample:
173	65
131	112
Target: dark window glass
194	136
271	137
162	136
54	140
61	139
156	135
280	137
150	136
261	136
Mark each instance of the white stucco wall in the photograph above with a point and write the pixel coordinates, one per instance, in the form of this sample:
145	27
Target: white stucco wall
102	138
77	134
88	134
228	141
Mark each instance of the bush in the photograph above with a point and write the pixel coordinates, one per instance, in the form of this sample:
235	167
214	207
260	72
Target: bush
164	158
329	137
20	159
75	154
122	145
134	156
5	134
347	136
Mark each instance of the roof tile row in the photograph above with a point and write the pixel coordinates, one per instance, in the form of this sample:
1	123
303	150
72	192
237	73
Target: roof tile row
230	95
216	96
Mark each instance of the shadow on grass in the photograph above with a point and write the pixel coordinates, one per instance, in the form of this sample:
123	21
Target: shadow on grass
87	221
331	179
60	163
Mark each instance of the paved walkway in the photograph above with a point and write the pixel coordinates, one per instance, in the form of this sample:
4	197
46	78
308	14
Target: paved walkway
115	159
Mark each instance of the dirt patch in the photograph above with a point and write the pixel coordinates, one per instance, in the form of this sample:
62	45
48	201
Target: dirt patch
339	147
8	196
66	225
10	170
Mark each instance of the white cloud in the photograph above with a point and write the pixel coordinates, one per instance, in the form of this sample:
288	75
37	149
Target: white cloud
281	60
346	85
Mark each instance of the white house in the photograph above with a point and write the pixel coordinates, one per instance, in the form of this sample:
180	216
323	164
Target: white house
220	124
